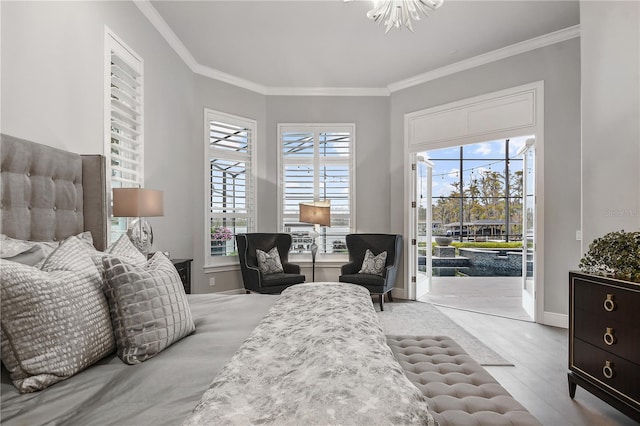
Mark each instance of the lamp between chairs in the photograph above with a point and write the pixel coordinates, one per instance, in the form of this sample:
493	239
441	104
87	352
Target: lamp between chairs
138	203
318	213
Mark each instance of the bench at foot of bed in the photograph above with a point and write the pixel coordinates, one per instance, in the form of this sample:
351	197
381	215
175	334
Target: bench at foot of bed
459	390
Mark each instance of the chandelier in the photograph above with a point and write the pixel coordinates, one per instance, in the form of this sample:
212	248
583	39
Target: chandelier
394	13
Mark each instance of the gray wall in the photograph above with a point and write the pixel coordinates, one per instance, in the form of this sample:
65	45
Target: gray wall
371	116
610	117
53	91
559	66
219	96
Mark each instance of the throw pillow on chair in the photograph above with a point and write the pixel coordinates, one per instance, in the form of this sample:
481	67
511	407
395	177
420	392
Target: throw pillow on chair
269	263
372	264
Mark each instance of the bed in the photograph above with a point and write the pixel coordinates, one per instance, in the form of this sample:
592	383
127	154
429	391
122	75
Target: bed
316	354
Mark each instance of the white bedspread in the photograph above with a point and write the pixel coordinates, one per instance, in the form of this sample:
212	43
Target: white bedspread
318	357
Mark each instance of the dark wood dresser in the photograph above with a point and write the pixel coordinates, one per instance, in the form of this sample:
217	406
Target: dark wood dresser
604	340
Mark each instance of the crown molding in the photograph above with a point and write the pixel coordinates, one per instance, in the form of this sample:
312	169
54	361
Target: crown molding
327	91
485	58
230	79
163	28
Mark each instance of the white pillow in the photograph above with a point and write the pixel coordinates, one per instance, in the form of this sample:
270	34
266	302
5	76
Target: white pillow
373	265
269	263
33	253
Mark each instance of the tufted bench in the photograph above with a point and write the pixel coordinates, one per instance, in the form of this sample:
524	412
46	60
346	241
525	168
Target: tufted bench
459	390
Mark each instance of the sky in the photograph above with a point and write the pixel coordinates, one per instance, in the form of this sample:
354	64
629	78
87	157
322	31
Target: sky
478	157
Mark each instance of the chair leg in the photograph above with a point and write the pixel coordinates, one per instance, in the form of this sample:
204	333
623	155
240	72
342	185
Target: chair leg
382	301
390	296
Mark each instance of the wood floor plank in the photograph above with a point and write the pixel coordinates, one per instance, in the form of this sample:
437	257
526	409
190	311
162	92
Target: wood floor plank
539	376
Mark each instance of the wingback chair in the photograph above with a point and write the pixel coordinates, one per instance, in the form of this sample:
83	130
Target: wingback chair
254	279
357	245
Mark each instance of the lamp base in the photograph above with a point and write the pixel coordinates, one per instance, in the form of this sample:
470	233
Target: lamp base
141	234
314	251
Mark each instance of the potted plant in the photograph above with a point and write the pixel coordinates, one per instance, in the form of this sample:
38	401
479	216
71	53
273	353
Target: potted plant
441	237
219	237
615	255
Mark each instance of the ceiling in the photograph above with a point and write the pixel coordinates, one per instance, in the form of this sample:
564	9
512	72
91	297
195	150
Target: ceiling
332	43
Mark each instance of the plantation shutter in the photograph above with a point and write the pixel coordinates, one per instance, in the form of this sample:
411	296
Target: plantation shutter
230	180
125	134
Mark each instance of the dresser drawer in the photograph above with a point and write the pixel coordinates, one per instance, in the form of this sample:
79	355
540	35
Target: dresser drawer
592	361
596	298
623	337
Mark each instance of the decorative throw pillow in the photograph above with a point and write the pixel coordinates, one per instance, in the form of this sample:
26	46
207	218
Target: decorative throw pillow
55	321
33	253
373	265
149	309
122	248
269	263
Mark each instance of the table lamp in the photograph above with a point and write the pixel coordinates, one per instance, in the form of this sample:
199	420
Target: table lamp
318	213
138	203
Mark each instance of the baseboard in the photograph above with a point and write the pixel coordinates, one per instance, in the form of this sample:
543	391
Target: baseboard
398	293
556	320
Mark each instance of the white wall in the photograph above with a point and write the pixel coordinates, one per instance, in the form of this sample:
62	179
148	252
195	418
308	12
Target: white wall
610	117
52	87
558	66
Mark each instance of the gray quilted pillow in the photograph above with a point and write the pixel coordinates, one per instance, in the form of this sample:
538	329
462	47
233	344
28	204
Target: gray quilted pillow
269	263
373	265
122	248
149	309
55	321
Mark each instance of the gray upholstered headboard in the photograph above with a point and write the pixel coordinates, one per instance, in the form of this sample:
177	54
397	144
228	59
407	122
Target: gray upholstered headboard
47	194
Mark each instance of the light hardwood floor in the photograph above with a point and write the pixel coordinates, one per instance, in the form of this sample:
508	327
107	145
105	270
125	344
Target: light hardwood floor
539	378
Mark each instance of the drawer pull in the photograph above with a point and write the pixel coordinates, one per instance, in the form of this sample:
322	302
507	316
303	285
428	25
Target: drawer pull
609	304
609	338
607	370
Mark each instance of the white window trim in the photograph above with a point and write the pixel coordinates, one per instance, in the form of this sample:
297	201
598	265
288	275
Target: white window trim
323	258
226	263
115	43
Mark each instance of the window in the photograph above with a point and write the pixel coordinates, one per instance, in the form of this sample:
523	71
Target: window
316	163
230	182
124	136
477	191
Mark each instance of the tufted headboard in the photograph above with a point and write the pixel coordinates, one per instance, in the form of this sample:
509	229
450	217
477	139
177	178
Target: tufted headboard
47	194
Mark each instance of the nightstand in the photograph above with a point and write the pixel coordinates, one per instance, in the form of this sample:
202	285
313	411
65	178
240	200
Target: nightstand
183	266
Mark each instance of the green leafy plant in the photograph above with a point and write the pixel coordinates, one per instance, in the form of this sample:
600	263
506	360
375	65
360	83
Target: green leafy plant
616	254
